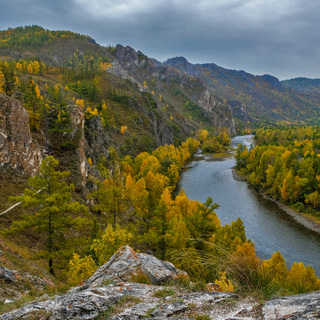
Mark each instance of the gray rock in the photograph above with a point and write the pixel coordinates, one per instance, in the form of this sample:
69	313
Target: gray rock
311	312
7	275
138	311
199	298
301	306
8	301
169	309
127	264
83	305
160	318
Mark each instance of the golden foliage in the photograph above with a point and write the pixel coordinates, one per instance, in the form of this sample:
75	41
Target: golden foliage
80	269
80	103
123	129
111	240
224	284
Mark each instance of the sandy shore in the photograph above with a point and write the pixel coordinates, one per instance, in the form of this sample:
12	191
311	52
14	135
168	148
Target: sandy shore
303	219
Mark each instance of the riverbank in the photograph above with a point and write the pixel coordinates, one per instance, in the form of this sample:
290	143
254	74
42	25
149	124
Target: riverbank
237	176
302	218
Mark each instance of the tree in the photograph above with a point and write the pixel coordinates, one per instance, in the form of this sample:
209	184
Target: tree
55	215
62	123
8	77
110	195
112	239
33	104
241	157
203	223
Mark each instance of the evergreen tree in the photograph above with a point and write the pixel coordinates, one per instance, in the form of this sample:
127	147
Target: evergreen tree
54	215
203	223
8	79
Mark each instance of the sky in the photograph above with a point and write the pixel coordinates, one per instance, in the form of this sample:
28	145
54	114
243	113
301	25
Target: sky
276	37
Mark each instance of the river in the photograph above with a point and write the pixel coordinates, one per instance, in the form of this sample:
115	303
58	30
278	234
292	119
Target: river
267	225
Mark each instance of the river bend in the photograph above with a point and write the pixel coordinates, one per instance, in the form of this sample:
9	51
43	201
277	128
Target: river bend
266	224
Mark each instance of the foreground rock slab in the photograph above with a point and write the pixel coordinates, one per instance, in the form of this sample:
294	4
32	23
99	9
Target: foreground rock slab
87	304
301	306
125	300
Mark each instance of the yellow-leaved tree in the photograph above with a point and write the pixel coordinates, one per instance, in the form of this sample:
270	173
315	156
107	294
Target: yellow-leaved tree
111	240
80	269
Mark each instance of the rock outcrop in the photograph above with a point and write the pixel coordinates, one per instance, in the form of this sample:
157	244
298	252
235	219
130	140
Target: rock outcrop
132	300
17	148
7	275
137	67
125	300
128	265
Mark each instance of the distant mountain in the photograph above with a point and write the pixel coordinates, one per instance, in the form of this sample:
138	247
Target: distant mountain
304	85
266	100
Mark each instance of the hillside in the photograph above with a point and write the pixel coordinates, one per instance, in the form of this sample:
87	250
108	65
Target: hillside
262	100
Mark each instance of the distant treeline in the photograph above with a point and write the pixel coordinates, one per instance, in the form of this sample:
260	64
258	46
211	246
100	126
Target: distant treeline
286	165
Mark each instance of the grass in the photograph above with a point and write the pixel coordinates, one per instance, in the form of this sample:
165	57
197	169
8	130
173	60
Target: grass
4	308
107	282
105	314
202	317
164	293
148	314
140	277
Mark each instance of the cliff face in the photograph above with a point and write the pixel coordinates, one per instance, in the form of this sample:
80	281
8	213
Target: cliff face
17	148
171	76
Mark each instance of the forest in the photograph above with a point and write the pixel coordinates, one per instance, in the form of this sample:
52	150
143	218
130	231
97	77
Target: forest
285	164
131	202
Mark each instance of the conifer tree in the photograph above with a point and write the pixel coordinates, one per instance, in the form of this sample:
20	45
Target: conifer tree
8	78
54	215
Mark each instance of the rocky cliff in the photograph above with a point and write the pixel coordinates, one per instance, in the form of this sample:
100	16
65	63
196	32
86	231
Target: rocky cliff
174	74
18	149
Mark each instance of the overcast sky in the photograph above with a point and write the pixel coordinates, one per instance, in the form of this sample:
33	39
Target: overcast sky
277	37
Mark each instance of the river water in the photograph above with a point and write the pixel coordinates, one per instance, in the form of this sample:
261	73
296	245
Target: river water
267	225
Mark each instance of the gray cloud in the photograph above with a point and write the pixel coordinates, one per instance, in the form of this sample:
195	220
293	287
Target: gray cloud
258	36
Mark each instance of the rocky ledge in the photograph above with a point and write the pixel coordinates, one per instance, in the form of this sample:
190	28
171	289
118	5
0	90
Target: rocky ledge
110	293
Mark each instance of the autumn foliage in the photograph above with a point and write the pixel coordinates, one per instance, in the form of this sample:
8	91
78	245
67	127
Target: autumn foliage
285	164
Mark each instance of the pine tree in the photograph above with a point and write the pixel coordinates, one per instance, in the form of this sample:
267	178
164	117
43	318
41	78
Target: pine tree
203	223
54	214
8	77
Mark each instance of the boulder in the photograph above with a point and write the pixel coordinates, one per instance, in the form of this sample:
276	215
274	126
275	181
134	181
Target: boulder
98	299
167	310
128	265
7	275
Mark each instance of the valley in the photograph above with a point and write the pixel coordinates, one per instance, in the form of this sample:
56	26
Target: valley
97	144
